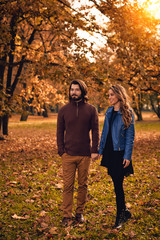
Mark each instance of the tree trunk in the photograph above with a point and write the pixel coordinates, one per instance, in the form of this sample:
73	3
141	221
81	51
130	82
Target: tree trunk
138	107
99	109
25	107
5	119
1	136
0	124
24	116
2	69
158	112
154	98
45	112
57	108
139	115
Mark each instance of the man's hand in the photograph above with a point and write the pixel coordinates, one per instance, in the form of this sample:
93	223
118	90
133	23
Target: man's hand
126	163
94	156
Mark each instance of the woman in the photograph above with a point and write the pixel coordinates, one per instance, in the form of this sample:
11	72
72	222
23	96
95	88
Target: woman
116	146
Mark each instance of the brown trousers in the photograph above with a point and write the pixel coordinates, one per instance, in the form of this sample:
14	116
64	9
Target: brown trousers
69	166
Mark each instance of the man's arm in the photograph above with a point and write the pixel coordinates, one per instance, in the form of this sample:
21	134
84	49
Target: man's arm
60	132
95	132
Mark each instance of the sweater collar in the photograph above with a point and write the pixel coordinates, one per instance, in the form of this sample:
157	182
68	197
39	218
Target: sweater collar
77	103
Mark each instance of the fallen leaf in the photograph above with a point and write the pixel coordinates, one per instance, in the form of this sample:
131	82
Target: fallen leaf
132	234
128	205
29	200
53	230
12	191
15	216
44	225
59	185
5	194
42	213
12	182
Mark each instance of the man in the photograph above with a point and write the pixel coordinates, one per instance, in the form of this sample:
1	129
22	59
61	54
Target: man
75	120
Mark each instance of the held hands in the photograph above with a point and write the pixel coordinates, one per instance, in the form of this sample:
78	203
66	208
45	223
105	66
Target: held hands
126	163
94	156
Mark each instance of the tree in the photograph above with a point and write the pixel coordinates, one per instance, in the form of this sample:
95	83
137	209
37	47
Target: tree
38	95
35	35
134	40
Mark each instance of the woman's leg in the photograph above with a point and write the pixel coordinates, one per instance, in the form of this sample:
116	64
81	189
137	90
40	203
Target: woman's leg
123	214
120	197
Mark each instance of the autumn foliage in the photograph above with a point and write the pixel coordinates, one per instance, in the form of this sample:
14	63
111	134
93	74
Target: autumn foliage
41	51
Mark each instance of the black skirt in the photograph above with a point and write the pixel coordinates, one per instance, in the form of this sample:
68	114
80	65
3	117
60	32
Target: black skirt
113	160
115	164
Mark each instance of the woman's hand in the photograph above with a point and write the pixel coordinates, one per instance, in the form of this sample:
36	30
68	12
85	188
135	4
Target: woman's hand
126	163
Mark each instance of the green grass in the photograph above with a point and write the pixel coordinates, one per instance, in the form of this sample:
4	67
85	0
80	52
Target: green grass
148	126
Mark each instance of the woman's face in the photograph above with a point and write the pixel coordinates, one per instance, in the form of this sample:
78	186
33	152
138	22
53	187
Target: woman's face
113	98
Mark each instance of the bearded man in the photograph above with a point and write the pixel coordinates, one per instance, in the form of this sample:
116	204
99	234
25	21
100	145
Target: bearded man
75	121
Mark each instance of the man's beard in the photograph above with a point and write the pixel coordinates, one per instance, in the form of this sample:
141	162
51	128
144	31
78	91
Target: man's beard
74	98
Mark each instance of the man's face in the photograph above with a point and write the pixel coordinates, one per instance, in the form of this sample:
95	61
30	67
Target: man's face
75	92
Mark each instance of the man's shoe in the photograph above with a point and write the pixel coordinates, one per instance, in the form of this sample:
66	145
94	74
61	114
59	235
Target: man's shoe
66	221
80	218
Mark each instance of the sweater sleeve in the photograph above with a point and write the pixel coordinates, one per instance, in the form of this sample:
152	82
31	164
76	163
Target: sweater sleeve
60	132
95	131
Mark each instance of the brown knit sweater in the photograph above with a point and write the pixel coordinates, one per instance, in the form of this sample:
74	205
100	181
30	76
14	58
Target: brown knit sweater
75	120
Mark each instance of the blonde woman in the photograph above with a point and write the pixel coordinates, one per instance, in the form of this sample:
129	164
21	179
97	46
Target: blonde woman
116	146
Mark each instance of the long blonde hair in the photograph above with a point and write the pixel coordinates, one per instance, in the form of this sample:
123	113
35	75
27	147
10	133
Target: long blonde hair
125	107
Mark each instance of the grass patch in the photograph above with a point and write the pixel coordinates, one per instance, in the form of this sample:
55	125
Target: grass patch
31	125
148	126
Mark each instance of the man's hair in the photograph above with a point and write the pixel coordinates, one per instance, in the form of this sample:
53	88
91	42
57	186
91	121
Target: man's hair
83	88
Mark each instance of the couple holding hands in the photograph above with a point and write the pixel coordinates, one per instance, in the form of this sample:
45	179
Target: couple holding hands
75	121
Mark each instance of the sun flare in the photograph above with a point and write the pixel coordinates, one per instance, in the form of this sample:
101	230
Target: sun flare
152	7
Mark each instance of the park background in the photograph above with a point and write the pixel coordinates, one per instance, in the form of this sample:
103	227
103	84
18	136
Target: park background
44	45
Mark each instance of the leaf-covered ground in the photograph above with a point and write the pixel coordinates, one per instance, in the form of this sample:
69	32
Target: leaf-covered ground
31	187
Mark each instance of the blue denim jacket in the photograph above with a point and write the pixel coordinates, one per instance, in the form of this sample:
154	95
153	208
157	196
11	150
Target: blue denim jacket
122	138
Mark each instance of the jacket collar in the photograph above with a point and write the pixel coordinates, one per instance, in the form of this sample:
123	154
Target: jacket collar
109	111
